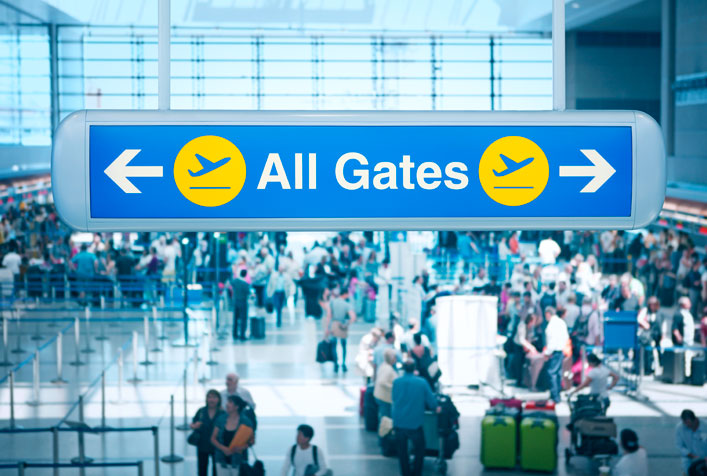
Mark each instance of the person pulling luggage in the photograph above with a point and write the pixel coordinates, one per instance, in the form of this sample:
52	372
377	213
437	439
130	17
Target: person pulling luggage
597	380
411	396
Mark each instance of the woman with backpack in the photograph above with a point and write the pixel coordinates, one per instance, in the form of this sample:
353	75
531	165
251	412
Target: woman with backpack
203	427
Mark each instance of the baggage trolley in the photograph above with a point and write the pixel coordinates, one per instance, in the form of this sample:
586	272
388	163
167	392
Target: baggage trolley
591	432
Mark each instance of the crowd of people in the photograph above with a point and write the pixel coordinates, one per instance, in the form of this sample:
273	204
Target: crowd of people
552	288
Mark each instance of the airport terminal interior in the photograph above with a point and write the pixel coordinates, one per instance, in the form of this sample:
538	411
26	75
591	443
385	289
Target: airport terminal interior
528	347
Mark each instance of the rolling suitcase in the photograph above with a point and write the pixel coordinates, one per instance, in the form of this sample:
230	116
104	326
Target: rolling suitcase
430	427
361	398
531	371
257	328
499	438
673	366
507	402
370	410
538	442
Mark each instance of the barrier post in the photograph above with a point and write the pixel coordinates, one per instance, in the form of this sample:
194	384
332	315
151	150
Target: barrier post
583	358
87	325
139	469
171	457
36	336
213	330
5	342
35	380
77	343
158	344
196	374
81	458
185	425
120	376
156	448
102	335
59	359
135	378
55	449
103	399
162	326
209	341
21	468
146	343
18	344
11	383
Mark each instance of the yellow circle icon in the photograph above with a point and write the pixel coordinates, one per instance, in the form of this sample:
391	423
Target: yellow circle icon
513	171
209	171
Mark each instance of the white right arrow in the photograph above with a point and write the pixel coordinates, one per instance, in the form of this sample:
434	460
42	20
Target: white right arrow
601	171
118	171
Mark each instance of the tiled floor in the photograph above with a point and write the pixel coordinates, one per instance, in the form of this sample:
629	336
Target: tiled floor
289	389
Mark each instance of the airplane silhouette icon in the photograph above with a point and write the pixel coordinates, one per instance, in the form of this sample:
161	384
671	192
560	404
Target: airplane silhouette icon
512	165
208	166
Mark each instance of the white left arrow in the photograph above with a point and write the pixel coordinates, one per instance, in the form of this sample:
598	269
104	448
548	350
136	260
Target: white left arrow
119	171
600	171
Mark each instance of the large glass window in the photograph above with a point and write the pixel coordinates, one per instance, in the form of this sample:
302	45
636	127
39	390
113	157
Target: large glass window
24	85
117	68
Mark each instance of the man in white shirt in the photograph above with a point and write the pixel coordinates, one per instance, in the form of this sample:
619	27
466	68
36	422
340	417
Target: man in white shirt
232	388
12	261
548	250
303	458
691	439
556	337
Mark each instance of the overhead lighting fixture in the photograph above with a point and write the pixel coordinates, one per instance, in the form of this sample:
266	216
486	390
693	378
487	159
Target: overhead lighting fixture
575	4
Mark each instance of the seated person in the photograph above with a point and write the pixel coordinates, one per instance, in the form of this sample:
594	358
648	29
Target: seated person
634	462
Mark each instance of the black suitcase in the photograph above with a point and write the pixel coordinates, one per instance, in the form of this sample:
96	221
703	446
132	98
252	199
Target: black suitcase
370	410
257	328
388	445
699	370
673	366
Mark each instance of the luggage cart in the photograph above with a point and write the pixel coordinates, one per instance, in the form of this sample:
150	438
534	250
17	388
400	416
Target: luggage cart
441	430
591	433
434	441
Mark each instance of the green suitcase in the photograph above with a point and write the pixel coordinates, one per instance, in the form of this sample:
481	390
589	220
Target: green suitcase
498	439
538	442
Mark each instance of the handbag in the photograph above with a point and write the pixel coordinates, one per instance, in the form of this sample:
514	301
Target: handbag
194	437
339	330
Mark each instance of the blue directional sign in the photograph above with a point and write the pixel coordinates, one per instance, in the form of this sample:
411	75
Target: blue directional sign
353	171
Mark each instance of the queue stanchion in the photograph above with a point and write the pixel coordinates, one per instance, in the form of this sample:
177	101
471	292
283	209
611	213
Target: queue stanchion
103	399
18	341
213	330
87	326
171	457
135	378
5	342
81	458
35	380
140	471
36	336
146	343
102	331
209	340
156	448
162	325
11	385
120	376
158	345
77	343
55	449
583	358
196	375
59	359
185	425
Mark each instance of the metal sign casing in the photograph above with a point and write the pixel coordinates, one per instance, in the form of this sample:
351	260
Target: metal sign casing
329	170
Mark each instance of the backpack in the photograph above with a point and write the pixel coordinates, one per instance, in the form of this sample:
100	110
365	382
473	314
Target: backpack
547	300
580	330
250	414
310	469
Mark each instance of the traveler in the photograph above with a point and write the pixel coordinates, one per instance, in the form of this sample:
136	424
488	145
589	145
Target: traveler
422	356
232	435
303	458
280	287
241	292
340	316
411	396
203	425
383	390
691	440
597	380
232	388
683	324
556	337
388	343
522	346
634	462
